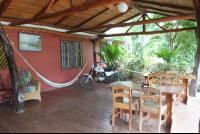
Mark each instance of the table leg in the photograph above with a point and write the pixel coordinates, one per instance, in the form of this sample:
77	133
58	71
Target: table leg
185	94
169	100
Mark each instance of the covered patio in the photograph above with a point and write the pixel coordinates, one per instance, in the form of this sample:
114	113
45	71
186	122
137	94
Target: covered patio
76	110
73	108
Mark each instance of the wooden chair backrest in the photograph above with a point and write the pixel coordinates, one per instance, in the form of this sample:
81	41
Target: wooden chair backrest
153	77
172	72
126	94
146	93
160	71
165	82
174	76
1	84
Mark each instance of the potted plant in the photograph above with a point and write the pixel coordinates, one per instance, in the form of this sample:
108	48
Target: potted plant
111	55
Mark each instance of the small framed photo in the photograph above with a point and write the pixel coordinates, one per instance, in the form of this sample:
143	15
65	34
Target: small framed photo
30	42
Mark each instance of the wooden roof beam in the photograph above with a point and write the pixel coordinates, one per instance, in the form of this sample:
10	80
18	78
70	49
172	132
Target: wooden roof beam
132	26
136	7
160	10
92	18
164	5
132	17
118	16
46	9
183	17
44	24
4	6
73	10
72	4
152	32
40	30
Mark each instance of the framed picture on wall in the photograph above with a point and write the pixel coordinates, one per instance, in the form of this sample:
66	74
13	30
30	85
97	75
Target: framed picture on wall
30	42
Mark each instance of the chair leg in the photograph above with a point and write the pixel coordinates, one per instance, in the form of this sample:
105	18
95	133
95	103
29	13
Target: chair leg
165	116
140	122
121	113
159	123
130	118
136	112
10	97
113	117
179	99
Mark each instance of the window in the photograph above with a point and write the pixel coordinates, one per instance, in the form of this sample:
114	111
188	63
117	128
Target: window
71	54
105	45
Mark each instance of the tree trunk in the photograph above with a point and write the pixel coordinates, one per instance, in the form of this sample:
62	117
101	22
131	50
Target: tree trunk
14	75
94	54
194	82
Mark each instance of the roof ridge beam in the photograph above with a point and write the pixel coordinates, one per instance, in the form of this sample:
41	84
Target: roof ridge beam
77	9
182	17
151	32
4	6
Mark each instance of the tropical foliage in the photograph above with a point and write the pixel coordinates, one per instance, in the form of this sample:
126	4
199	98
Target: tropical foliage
110	56
169	51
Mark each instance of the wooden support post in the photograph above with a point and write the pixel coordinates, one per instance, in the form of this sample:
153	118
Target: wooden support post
14	75
144	26
194	83
94	54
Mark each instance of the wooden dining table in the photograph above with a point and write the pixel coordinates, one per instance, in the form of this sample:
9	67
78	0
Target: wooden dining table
170	92
185	79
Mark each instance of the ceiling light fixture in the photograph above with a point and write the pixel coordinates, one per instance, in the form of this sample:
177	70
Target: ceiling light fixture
122	7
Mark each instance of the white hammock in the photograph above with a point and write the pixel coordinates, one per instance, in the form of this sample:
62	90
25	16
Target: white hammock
58	85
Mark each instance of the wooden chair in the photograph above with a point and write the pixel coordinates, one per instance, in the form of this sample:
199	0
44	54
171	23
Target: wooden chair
172	72
176	81
31	87
164	82
123	100
136	94
152	78
4	91
152	104
160	72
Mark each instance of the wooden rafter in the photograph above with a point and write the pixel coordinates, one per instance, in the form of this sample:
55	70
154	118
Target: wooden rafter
40	30
46	9
45	24
156	23
63	19
130	18
152	32
144	26
72	4
73	10
168	15
165	5
183	17
161	10
136	7
132	26
4	6
114	18
92	17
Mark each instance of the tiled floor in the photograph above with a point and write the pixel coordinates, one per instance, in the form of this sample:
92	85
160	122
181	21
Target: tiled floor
75	109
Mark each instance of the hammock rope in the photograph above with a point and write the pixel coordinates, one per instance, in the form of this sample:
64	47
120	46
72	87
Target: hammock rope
58	85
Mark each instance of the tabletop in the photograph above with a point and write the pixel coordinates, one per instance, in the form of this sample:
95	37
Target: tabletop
137	86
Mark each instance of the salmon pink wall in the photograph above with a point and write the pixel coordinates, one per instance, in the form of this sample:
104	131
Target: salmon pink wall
48	62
